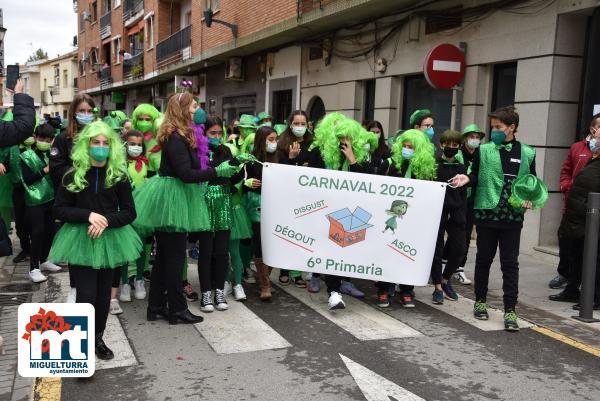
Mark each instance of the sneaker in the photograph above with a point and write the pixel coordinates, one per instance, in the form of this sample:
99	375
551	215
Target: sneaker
349	289
449	291
284	279
335	301
189	292
194	253
315	284
480	311
249	276
36	276
565	296
147	275
227	288
558	282
510	321
49	266
21	257
578	306
72	297
238	293
438	297
299	282
408	300
206	303
125	292
461	277
115	308
383	300
220	300
140	290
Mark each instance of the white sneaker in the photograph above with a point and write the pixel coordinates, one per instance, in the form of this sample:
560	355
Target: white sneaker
36	276
227	288
115	308
125	293
250	276
238	293
206	303
72	297
462	277
140	290
335	301
49	266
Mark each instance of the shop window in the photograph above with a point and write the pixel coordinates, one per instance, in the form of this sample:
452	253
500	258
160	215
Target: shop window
369	100
316	110
505	82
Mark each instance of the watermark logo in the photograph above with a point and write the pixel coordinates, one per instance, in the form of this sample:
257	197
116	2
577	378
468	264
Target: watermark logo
56	340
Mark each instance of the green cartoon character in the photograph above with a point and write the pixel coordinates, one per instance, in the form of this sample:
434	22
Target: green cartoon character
398	209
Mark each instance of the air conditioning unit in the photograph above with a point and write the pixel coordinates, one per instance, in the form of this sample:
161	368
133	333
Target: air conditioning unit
86	16
234	69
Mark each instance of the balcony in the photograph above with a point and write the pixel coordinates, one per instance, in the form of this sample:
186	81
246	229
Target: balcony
133	10
176	47
134	67
105	78
105	25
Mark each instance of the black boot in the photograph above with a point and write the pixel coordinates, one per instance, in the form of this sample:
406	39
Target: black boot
102	351
184	316
564	296
153	312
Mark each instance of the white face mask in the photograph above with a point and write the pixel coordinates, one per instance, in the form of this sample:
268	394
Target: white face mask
271	147
299	131
134	151
368	147
473	143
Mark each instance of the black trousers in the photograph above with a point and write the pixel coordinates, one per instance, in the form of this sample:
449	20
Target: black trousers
564	252
469	222
453	222
256	240
488	240
42	225
166	286
116	281
576	246
21	224
93	286
214	259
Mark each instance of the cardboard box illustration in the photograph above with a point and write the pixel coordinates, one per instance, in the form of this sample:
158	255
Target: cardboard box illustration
348	228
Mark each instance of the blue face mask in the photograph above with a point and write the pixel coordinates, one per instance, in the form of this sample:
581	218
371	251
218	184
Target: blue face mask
429	132
407	153
214	142
593	145
84	119
498	137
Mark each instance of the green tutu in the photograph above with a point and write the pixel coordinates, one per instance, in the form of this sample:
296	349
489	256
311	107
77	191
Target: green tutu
252	205
6	189
168	204
241	227
115	247
218	199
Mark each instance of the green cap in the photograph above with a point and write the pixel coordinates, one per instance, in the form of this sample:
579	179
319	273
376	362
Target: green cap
473	128
417	115
262	115
247	121
530	188
120	115
279	128
113	122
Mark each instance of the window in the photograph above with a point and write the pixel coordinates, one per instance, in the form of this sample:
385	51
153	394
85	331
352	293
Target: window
149	25
505	82
316	110
94	11
65	114
65	78
188	19
136	46
107	7
116	50
369	100
81	69
212	4
117	3
282	105
57	76
94	58
81	22
26	84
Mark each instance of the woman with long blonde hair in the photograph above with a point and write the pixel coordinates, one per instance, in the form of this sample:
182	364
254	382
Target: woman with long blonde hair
172	204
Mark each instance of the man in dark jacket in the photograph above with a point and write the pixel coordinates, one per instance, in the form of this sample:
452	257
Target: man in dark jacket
578	156
572	225
21	127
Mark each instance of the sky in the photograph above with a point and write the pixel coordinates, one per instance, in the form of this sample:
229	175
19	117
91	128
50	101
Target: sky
33	24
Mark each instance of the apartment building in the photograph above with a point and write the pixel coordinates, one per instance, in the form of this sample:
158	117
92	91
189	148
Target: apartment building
363	58
58	84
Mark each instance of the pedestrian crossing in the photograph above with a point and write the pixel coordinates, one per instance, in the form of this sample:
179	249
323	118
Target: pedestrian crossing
240	330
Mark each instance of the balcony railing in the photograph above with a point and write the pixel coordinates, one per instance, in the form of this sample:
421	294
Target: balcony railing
304	6
174	48
134	67
105	25
131	8
105	77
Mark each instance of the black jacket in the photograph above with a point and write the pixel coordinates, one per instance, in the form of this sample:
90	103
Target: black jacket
179	160
588	180
455	197
220	155
60	158
21	127
114	203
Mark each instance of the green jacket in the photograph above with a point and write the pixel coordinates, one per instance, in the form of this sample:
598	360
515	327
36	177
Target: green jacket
42	191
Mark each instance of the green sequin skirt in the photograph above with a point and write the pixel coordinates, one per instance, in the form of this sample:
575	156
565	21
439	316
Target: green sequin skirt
218	200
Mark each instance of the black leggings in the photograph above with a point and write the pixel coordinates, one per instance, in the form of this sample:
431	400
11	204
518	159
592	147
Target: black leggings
256	240
93	286
214	259
21	224
42	225
167	272
452	221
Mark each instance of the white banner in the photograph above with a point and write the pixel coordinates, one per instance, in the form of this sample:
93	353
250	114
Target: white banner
355	225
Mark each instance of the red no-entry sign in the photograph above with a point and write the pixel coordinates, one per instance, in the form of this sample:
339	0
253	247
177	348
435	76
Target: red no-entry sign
444	66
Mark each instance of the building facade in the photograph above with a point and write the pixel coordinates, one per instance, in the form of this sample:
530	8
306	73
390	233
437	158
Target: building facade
363	58
58	84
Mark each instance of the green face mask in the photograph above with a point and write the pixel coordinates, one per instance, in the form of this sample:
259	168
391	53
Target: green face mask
29	141
43	146
144	126
99	153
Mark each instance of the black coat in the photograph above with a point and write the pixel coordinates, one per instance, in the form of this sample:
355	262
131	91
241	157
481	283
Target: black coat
588	180
60	158
21	127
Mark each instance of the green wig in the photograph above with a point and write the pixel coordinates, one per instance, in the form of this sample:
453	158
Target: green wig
423	165
120	115
248	141
328	133
146	109
116	168
372	139
158	122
